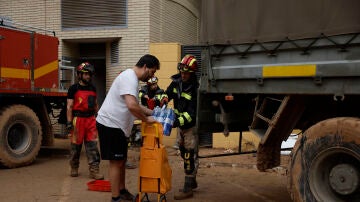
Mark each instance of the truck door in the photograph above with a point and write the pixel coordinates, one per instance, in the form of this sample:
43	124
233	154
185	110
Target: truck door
15	59
46	65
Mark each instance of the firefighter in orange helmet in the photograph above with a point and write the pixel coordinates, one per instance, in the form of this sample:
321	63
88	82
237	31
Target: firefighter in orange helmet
81	124
183	90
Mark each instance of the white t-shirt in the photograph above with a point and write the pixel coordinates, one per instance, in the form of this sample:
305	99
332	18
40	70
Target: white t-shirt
114	112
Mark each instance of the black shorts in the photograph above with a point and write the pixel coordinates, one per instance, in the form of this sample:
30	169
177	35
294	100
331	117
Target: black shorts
113	143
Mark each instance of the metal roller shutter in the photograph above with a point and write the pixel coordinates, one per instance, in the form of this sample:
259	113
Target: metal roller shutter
85	14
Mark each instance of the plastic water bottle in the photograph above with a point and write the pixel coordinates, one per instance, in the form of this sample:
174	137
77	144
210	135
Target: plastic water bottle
162	115
168	122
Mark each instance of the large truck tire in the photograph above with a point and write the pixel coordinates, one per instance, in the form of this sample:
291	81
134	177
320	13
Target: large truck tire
325	162
20	136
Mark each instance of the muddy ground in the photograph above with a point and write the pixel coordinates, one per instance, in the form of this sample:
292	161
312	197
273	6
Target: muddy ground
229	178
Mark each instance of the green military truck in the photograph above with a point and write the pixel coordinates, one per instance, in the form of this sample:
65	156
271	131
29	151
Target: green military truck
274	66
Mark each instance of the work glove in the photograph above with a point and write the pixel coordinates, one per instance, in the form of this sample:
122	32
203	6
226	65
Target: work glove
69	127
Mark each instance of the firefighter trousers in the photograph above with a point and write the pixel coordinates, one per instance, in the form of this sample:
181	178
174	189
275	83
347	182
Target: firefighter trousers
189	148
84	131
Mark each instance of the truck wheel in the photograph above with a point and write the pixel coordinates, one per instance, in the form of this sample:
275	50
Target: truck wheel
20	136
325	162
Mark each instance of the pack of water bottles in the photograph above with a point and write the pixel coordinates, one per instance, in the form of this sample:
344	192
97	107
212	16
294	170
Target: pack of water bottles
166	117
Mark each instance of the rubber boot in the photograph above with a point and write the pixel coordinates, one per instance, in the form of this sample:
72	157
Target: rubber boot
93	157
94	173
74	159
187	191
194	184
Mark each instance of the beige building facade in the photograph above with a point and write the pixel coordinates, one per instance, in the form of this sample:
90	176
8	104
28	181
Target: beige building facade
112	34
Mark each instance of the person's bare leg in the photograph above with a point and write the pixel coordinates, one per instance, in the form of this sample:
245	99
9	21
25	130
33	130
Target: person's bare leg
122	175
117	176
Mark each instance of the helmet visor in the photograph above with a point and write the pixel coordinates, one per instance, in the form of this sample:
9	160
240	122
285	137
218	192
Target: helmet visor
184	68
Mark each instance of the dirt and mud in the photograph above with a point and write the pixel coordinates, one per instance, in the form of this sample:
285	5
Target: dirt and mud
228	178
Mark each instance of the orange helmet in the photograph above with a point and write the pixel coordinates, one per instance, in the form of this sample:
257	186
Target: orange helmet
152	80
85	67
188	64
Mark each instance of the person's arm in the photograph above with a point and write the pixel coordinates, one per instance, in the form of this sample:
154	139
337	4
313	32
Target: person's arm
69	109
70	103
69	115
96	107
137	110
147	111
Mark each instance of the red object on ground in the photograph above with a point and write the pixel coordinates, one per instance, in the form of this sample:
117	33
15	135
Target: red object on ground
99	185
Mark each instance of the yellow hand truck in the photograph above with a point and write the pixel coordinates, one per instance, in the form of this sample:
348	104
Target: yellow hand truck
155	171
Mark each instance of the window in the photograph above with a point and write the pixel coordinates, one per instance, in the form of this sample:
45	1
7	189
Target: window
93	14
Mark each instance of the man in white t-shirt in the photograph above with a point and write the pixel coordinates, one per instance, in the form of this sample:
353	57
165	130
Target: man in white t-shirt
116	117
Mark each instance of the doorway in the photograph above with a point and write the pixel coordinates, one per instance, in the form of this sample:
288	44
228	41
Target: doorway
95	54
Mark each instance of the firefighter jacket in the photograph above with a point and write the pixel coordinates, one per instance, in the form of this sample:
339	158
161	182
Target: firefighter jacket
184	95
158	94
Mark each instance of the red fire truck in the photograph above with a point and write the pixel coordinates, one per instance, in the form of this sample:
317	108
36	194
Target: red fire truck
29	92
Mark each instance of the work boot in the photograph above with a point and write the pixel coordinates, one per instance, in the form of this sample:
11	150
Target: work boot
74	172
94	173
187	191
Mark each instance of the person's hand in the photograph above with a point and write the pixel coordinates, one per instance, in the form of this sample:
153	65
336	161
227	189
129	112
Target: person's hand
69	127
146	97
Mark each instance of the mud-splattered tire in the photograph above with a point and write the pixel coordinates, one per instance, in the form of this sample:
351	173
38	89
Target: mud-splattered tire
20	136
325	162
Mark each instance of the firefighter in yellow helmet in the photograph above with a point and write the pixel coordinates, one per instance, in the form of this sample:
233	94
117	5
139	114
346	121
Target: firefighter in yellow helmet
151	95
183	91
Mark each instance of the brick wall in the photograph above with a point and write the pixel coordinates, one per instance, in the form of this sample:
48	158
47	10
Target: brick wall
175	21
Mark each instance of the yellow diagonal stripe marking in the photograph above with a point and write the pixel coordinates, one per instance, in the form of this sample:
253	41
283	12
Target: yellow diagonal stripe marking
289	71
41	71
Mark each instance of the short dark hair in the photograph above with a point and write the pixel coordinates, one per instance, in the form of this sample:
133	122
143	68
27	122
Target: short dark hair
150	61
